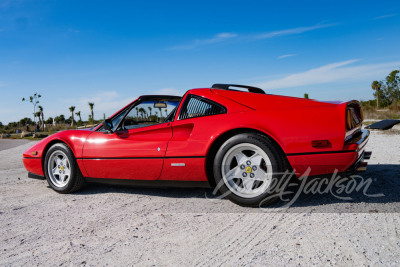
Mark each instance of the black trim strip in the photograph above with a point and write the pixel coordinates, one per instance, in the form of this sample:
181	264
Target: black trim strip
184	157
150	183
317	153
35	176
30	158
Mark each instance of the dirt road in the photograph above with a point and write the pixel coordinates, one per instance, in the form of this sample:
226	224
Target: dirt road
109	225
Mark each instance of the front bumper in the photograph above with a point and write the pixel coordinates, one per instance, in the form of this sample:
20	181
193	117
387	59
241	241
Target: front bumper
33	165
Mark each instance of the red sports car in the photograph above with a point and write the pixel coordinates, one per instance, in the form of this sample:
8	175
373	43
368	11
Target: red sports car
234	136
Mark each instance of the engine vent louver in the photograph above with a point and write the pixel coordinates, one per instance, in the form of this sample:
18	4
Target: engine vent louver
196	106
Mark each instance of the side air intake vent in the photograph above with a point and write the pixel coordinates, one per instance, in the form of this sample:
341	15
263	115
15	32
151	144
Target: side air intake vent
196	106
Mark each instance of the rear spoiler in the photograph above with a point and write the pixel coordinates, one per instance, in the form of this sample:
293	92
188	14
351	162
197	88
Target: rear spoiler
251	89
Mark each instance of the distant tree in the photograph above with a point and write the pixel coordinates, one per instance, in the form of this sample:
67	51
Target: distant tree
60	119
35	101
377	87
166	112
160	112
79	115
387	91
142	112
137	113
306	96
392	84
12	124
72	109
104	116
149	110
25	121
49	120
1	124
91	105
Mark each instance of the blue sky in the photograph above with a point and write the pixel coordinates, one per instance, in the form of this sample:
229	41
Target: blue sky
110	52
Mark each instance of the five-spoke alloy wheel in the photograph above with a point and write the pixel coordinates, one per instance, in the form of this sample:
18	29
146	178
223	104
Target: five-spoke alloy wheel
61	170
244	169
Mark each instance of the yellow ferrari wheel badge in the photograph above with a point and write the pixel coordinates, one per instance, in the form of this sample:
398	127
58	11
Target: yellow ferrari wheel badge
62	168
248	169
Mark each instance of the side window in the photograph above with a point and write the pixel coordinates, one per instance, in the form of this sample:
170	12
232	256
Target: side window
145	114
196	106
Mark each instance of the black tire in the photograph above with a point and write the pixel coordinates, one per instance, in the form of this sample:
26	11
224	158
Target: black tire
278	161
76	181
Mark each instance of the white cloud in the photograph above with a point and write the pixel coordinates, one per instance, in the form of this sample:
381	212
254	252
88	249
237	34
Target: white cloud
201	42
334	72
291	31
221	37
287	55
386	16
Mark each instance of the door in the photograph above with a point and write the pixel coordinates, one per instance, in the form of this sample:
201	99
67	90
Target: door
127	154
136	146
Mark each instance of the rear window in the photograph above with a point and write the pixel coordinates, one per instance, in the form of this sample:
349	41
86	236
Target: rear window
196	106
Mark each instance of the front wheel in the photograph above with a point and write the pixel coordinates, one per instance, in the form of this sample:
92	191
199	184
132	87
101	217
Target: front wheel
244	169
61	170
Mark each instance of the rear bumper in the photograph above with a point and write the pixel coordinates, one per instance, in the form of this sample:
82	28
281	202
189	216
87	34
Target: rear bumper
358	143
350	159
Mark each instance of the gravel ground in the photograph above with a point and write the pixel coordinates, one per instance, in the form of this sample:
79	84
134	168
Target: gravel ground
10	143
109	225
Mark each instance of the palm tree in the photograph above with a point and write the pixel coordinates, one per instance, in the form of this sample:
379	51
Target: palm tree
91	105
166	110
160	112
41	113
142	111
377	87
137	113
157	115
150	111
79	115
72	109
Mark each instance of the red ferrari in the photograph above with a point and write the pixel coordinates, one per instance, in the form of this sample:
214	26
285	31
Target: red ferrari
234	136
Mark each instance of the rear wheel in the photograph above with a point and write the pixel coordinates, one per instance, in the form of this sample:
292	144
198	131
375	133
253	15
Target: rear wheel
61	170
244	169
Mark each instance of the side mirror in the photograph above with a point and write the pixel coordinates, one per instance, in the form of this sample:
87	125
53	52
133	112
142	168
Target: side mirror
160	105
108	125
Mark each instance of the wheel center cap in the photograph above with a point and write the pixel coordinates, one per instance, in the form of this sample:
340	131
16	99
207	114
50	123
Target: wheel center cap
62	168
248	169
